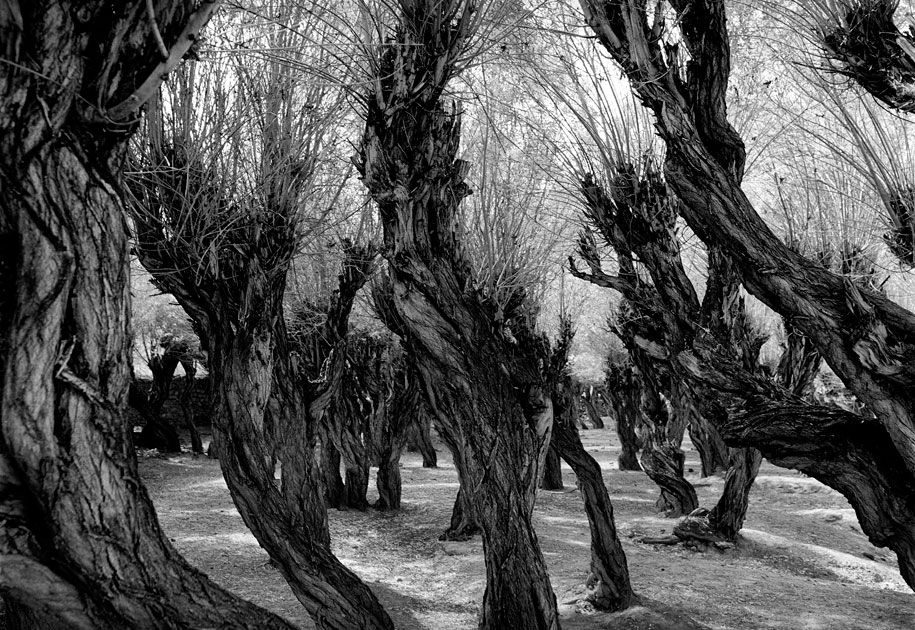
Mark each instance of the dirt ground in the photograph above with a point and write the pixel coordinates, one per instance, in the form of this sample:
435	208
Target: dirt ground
802	562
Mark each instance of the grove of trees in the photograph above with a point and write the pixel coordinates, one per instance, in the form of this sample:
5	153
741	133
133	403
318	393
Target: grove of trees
376	217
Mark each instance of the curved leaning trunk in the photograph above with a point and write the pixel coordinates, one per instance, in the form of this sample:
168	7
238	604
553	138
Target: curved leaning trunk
609	580
290	523
463	526
864	337
481	366
499	466
67	469
662	459
623	392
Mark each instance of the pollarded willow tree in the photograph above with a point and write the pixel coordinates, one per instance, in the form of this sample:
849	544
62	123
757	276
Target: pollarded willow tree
480	362
80	546
224	185
629	206
867	339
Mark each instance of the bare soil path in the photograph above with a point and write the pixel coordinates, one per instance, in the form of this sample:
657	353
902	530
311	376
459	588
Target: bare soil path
802	562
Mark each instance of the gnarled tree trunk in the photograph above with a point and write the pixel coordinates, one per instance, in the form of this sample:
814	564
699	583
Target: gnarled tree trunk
479	365
623	391
864	337
265	408
610	588
462	525
662	459
713	452
400	403
67	469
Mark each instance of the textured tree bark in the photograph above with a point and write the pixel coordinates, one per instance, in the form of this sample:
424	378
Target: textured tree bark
347	425
290	523
398	407
610	588
479	363
713	452
18	617
67	470
356	485
552	468
462	525
623	390
864	337
268	399
65	388
662	459
389	484
729	513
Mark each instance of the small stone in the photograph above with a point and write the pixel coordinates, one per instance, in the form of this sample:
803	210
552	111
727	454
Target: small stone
723	544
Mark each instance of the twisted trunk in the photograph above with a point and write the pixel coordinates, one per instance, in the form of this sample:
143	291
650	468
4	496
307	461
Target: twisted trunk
462	525
356	485
67	469
609	584
865	338
623	390
399	406
389	483
713	452
479	366
250	372
662	459
66	463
